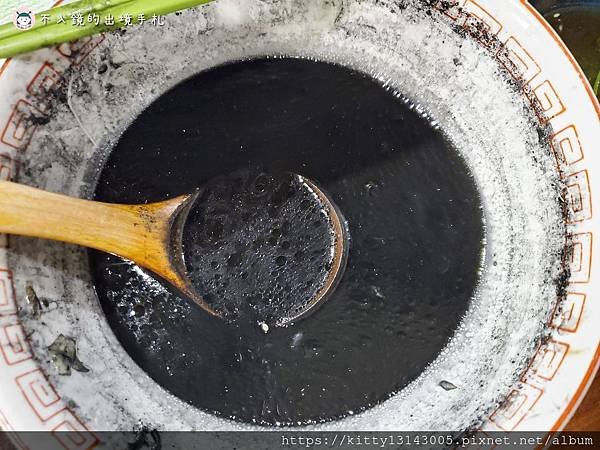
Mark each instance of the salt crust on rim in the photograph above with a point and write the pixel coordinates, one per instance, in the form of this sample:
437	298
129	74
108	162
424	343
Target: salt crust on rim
449	78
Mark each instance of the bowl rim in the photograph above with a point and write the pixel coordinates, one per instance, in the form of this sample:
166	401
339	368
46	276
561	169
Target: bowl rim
594	365
481	10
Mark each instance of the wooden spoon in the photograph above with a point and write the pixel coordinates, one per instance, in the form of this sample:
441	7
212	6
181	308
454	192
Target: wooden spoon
149	235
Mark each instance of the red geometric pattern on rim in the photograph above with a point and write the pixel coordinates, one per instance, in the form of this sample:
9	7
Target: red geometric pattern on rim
34	384
40	394
13	344
517	60
548	359
78	437
516	406
567	149
548	99
580	260
478	19
21	125
7	171
568	318
46	78
579	197
47	405
7	293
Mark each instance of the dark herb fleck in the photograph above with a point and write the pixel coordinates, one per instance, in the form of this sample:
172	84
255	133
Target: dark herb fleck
447	385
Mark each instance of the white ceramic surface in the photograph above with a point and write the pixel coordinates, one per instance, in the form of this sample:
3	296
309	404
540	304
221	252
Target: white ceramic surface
543	397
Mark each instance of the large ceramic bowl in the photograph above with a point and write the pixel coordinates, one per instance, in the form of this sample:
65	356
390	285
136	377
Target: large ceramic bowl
495	78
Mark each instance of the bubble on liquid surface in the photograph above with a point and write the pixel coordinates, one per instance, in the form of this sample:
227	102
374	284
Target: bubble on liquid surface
267	237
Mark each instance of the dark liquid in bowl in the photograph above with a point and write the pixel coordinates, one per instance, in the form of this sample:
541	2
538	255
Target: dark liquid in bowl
414	219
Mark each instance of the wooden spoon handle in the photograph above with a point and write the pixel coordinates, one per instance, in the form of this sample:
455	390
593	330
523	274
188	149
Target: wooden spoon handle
140	233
